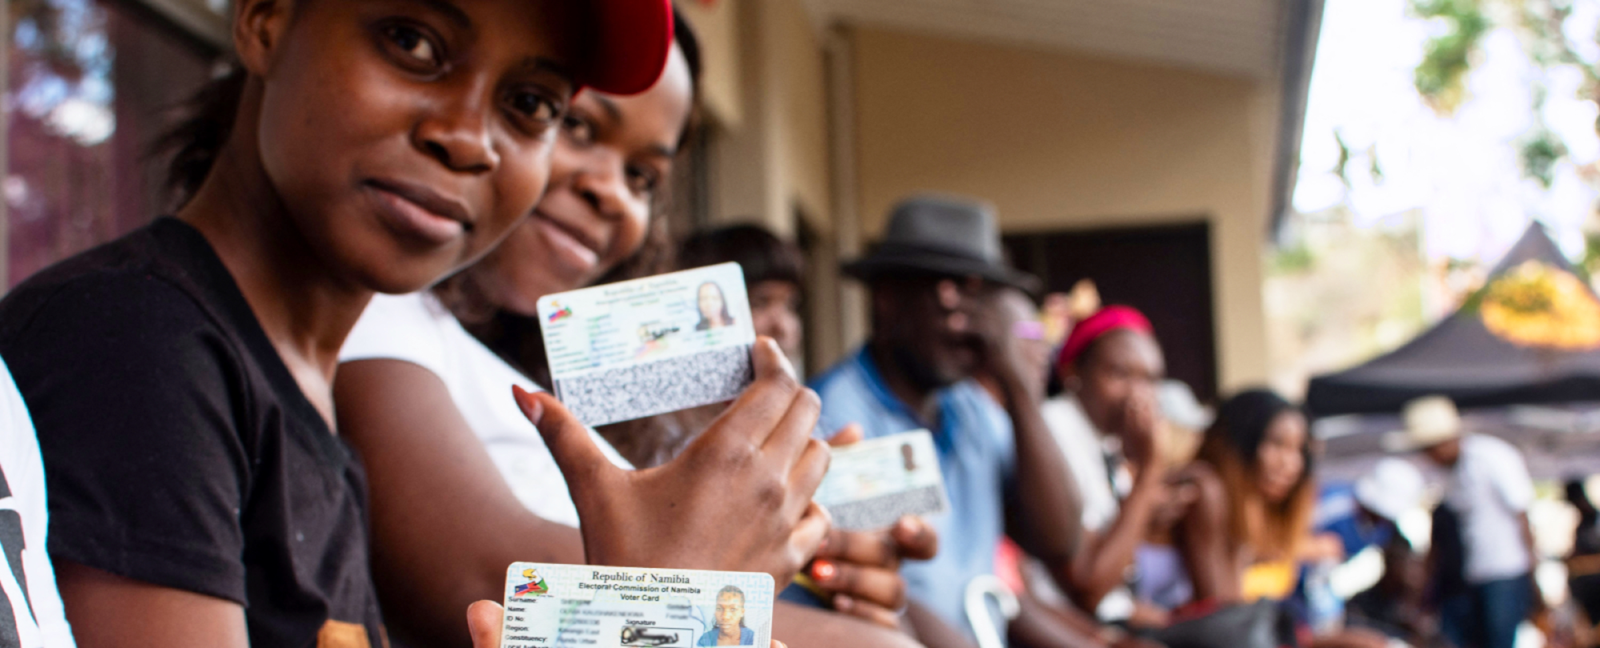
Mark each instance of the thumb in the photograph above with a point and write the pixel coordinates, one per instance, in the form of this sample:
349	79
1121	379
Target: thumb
807	535
846	435
768	360
916	539
483	623
568	440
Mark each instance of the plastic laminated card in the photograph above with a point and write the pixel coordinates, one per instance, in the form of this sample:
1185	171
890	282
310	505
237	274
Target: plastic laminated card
644	347
871	484
612	607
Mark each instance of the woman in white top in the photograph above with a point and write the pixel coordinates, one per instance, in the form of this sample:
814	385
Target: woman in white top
27	580
461	484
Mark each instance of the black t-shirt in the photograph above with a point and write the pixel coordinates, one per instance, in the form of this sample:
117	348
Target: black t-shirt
178	449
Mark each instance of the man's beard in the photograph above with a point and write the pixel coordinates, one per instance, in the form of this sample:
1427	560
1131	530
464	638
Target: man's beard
923	374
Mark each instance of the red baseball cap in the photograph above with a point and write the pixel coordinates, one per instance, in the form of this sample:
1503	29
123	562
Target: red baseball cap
630	40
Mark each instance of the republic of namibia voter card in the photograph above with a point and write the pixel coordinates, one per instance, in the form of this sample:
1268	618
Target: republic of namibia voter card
643	347
871	484
612	607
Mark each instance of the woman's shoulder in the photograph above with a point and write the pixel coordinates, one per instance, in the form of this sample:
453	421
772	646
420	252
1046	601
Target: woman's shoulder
413	328
158	283
130	308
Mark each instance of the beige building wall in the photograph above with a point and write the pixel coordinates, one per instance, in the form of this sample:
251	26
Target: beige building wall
716	28
770	149
766	98
1057	140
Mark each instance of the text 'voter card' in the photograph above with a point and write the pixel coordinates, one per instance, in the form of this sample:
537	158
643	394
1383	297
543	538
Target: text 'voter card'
873	483
643	347
611	607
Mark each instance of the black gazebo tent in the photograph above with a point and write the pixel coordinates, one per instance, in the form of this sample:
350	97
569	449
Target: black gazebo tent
1462	359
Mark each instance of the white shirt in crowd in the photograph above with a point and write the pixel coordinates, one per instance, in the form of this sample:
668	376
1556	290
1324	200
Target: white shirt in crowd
1086	450
26	578
417	329
1489	488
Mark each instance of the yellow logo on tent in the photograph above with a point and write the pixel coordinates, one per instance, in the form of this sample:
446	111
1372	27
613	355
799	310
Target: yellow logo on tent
1537	305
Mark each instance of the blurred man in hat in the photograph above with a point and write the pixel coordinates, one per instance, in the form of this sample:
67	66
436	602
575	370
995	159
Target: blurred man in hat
1489	493
936	281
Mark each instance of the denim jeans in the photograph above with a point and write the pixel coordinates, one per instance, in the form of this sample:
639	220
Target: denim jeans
1487	614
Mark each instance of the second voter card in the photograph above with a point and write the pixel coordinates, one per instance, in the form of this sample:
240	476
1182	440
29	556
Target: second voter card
873	483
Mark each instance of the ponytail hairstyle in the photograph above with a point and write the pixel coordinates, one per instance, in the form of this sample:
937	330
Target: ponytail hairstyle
196	141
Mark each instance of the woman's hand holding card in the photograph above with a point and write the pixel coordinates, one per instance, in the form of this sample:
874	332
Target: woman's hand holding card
737	499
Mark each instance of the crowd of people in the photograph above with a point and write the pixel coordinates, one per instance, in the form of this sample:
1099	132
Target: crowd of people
310	407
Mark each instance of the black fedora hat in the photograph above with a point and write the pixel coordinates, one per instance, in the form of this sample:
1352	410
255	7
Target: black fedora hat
941	235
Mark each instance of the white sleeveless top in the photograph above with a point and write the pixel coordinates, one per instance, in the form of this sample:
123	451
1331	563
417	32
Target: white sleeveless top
416	328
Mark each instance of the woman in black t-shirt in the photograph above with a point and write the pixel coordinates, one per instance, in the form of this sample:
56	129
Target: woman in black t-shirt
179	376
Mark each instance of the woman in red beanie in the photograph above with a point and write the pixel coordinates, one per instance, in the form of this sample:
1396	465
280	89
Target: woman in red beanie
1107	424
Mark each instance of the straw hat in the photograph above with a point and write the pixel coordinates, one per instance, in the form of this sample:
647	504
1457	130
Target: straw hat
1393	487
1429	421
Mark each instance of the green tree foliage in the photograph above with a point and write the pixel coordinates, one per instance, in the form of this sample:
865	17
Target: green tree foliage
1440	77
1540	153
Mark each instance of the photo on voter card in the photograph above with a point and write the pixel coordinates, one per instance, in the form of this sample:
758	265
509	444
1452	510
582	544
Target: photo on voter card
720	624
643	347
551	605
873	483
727	620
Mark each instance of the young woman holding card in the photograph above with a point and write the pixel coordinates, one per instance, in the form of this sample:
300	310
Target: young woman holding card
180	378
462	485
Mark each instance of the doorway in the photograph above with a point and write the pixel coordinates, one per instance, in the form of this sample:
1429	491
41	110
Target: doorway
1163	270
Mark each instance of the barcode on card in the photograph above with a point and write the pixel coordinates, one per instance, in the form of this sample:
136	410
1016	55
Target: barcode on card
650	388
884	510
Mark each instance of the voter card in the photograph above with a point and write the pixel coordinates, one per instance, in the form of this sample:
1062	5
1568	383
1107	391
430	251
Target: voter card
612	607
872	483
643	347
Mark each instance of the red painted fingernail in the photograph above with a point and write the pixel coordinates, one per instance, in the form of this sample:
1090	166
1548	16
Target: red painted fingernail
531	407
823	570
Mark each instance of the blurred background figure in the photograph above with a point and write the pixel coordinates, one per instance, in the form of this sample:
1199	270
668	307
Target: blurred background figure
1108	424
1261	447
1372	540
936	281
1488	494
1583	565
